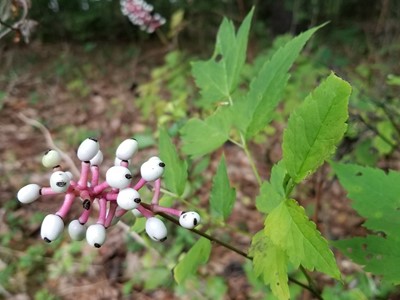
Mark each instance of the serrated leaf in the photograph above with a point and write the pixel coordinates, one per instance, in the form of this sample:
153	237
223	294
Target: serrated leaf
202	137
272	192
316	127
374	195
218	77
196	256
266	89
222	196
379	255
289	228
175	174
270	262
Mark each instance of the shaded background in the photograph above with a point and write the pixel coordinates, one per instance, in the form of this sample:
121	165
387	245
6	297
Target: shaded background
89	72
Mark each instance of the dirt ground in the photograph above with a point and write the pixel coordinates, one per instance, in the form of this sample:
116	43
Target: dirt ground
35	85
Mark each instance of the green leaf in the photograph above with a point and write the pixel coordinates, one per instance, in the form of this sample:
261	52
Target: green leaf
223	196
196	256
379	255
270	262
175	174
374	194
272	193
218	77
316	127
266	89
202	137
289	228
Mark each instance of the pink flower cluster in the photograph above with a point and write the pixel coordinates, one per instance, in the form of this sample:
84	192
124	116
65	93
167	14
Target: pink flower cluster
140	13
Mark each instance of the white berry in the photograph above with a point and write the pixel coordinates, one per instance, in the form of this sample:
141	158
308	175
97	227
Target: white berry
76	230
69	174
29	193
59	182
118	177
97	159
127	149
52	227
189	219
156	229
96	235
88	149
128	198
152	169
51	159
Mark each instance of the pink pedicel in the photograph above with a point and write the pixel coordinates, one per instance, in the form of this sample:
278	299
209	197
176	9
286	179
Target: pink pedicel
91	190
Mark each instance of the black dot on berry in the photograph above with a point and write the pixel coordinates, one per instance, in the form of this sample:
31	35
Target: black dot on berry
161	164
128	176
47	151
163	239
97	245
137	200
195	222
86	204
47	240
93	139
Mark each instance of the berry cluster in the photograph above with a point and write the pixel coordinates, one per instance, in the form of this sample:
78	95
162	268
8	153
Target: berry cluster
114	196
140	13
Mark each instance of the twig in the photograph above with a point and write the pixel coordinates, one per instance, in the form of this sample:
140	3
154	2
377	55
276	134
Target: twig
373	129
49	141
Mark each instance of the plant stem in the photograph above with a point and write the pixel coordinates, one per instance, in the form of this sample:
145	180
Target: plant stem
201	233
311	287
376	131
310	281
251	160
236	143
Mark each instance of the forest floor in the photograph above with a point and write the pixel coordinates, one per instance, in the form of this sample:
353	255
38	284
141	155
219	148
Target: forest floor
77	93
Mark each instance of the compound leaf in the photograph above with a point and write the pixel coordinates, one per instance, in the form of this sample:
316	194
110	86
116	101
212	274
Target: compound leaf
201	137
316	127
218	77
196	256
289	228
175	174
374	195
266	89
272	192
270	262
222	194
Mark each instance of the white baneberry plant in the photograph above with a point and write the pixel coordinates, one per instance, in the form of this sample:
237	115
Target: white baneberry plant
115	196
